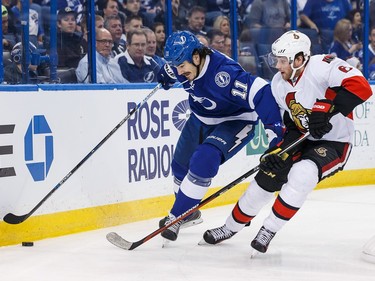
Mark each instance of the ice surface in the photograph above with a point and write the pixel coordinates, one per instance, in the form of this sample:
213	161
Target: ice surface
322	242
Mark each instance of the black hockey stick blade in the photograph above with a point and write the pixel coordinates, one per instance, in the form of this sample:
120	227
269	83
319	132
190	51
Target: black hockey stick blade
122	243
15	219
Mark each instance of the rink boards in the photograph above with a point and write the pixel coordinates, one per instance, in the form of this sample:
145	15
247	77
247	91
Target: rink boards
44	134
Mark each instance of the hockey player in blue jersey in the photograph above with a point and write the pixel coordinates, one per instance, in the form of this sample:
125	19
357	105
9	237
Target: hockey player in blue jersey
226	103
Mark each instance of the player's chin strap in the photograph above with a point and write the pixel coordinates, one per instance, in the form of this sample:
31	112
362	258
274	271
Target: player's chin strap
292	78
295	69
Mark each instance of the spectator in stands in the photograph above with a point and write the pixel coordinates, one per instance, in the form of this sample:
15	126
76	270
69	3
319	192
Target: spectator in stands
8	5
36	5
216	8
148	6
228	46
114	26
99	23
246	44
151	47
13	71
109	8
160	38
372	13
134	65
75	5
133	8
222	23
178	17
133	22
355	18
203	39
185	7
324	14
107	70
213	10
245	36
9	39
36	32
371	57
270	13
69	48
300	5
216	40
342	46
196	21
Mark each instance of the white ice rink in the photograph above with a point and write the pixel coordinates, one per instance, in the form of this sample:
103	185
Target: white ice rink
322	243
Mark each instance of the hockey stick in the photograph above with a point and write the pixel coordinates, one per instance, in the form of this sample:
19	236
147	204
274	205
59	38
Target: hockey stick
119	241
15	219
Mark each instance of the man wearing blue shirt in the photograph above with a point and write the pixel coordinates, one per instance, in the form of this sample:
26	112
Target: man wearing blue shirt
135	66
324	14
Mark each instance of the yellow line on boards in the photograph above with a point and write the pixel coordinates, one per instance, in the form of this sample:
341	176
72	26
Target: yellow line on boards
63	223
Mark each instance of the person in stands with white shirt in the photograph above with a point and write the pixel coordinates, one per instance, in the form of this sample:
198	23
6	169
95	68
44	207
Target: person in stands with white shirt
107	71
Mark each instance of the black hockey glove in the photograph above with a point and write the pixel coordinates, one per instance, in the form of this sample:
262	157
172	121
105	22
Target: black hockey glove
321	113
166	77
271	162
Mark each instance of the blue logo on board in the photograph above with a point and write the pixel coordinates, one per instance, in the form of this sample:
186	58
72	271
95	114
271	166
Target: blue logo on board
181	114
38	140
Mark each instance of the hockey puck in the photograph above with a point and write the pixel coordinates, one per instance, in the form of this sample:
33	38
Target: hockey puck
27	244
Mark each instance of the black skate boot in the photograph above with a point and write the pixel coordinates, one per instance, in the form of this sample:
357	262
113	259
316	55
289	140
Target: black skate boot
216	235
262	240
193	219
171	233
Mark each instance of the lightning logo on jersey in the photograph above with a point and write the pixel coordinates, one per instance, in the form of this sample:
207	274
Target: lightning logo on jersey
241	135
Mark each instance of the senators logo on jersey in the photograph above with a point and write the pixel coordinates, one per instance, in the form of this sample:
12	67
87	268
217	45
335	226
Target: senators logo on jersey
298	112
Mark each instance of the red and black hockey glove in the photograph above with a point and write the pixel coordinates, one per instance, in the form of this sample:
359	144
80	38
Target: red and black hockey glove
321	113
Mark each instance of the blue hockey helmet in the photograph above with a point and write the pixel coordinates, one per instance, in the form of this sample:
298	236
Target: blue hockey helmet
180	47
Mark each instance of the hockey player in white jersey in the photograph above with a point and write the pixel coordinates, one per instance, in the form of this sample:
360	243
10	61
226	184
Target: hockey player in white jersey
226	103
316	94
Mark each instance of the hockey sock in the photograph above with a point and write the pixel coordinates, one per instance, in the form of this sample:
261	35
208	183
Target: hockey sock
302	179
248	206
191	192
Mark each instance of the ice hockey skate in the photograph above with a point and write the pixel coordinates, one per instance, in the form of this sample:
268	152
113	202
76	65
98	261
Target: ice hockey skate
171	233
262	240
194	219
216	235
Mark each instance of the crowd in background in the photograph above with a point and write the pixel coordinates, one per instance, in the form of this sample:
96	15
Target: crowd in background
130	34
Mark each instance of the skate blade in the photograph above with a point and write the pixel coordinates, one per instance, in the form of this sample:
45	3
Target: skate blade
191	223
254	253
203	243
165	243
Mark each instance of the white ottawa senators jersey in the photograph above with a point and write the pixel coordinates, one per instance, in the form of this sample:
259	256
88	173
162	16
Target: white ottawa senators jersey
321	74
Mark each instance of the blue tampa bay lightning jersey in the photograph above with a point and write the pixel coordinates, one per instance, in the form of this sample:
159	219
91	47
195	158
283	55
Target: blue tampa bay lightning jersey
224	91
